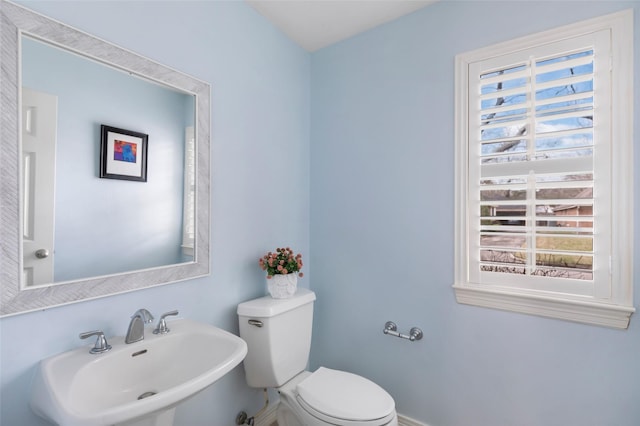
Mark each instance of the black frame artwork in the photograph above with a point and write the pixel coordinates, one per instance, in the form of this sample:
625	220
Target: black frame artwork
123	154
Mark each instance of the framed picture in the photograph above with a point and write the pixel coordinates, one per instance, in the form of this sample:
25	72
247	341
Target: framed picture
123	154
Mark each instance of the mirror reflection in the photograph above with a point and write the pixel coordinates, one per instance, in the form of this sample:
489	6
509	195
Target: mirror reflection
76	224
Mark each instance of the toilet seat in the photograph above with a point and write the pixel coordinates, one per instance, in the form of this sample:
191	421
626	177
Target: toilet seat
335	396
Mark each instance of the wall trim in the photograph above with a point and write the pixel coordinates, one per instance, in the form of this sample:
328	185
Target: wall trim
270	416
406	421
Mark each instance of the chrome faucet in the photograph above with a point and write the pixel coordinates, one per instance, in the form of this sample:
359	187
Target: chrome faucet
162	324
136	326
101	344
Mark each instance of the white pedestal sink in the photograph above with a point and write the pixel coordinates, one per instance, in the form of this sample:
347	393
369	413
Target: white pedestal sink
137	384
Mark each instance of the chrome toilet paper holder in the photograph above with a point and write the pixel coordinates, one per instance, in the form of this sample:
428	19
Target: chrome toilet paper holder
391	328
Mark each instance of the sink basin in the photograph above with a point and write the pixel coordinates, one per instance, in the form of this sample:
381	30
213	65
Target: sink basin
134	381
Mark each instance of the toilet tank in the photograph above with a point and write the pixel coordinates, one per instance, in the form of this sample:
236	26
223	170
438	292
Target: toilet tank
278	336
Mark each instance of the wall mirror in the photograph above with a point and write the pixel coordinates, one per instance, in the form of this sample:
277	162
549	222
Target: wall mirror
105	231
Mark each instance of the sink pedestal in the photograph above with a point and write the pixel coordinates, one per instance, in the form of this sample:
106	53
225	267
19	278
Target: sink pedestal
164	418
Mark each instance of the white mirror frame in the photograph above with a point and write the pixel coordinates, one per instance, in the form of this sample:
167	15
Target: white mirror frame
15	299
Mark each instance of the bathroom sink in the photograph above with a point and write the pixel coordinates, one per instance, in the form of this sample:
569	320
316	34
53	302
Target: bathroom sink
133	381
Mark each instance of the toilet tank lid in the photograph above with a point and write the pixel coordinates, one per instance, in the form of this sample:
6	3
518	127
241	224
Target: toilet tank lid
267	306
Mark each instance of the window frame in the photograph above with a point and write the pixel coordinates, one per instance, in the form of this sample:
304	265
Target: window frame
615	308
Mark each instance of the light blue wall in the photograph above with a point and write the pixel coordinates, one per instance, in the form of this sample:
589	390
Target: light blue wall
139	224
382	229
381	179
260	174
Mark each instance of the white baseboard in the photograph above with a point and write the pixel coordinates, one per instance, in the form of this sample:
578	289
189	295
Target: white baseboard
406	421
270	416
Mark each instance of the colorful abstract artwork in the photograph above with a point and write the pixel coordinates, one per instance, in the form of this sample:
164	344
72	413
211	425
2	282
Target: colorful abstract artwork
124	151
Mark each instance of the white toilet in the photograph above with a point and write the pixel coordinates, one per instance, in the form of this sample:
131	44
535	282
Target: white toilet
278	334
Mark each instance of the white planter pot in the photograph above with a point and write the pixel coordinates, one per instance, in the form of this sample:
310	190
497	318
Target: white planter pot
282	286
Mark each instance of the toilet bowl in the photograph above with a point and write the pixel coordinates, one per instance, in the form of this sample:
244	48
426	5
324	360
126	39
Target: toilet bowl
334	397
278	336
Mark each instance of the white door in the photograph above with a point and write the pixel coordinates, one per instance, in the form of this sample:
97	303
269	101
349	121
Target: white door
39	128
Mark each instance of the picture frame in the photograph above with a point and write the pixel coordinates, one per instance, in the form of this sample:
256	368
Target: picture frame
123	154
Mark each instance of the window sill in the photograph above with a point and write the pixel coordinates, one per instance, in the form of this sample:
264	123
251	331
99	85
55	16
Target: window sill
587	312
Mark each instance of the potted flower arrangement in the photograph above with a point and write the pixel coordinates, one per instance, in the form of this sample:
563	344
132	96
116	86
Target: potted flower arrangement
283	269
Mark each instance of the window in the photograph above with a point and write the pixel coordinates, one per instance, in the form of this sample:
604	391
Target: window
544	171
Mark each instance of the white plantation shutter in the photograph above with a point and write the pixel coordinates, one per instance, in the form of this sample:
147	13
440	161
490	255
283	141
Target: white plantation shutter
540	226
532	124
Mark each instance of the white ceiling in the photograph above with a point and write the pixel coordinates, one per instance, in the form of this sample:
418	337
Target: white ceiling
314	24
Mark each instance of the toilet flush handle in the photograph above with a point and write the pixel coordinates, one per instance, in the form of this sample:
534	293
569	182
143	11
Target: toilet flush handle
255	322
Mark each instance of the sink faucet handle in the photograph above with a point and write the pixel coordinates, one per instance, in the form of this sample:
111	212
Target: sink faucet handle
162	324
101	345
145	315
